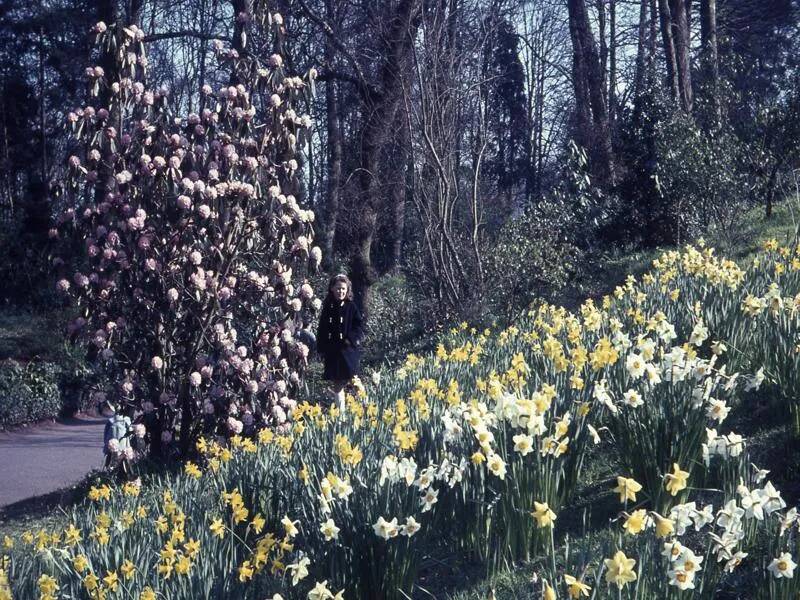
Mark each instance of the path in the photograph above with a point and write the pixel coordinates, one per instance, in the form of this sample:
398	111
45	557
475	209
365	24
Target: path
46	457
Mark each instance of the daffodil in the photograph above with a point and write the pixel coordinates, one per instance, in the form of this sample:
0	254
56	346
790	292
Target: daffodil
576	588
636	522
245	571
783	566
147	594
627	488
386	529
676	481
619	569
128	569
329	530
217	528
664	526
543	515
299	570
290	526
111	580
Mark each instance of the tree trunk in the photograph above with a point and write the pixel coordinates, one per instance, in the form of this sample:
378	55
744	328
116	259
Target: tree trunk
639	73
242	19
592	114
398	193
682	40
601	38
379	116
612	60
708	37
652	41
334	133
669	48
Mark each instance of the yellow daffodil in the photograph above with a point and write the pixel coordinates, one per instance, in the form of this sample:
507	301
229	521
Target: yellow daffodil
576	588
619	569
217	528
664	527
627	488
635	522
128	569
677	480
543	515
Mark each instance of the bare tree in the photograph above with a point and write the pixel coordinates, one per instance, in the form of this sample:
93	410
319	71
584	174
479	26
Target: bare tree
592	127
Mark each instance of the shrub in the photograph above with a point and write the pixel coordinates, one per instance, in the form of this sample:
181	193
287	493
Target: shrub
28	392
182	242
530	259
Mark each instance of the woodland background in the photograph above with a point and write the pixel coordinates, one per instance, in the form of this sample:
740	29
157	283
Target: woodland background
468	156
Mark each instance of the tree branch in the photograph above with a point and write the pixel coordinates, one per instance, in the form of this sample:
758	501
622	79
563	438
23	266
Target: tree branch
169	35
337	43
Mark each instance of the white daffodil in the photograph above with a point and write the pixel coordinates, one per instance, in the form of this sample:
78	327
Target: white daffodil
410	528
632	398
717	410
703	517
672	550
386	529
734	561
430	498
782	566
496	465
299	570
388	470
329	530
681	579
635	365
523	443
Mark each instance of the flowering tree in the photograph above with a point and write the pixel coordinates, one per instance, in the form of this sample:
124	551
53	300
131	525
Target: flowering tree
182	241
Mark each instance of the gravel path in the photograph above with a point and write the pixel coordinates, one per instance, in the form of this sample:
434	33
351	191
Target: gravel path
46	457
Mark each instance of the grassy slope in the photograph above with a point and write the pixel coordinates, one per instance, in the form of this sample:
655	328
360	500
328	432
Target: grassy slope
771	443
448	576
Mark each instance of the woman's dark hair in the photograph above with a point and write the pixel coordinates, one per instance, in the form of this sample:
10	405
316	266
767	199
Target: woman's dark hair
334	280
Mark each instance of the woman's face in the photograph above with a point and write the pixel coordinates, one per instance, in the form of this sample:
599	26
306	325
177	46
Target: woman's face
339	290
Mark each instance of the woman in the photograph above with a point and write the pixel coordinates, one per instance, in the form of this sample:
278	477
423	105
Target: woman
339	335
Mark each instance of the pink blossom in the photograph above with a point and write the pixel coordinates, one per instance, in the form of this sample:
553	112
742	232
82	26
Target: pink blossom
172	295
157	362
62	286
279	414
195	379
235	426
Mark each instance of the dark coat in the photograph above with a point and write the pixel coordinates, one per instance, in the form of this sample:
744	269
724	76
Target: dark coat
339	339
